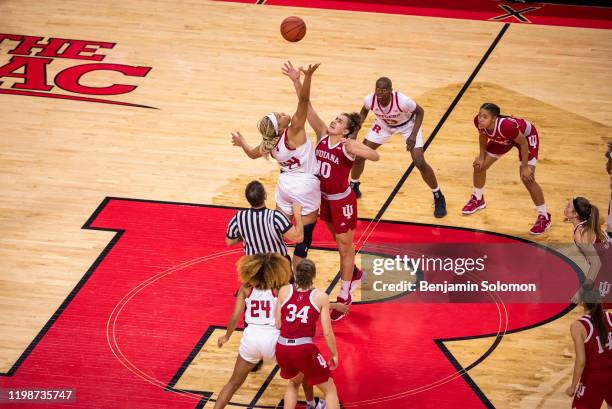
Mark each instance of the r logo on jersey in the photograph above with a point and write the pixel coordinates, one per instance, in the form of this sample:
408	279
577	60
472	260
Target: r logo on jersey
604	288
347	211
291	162
376	128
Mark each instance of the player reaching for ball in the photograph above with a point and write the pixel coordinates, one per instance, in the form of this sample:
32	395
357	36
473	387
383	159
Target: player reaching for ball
284	138
498	134
336	151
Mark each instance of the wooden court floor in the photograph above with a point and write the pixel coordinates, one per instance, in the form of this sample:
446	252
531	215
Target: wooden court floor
216	69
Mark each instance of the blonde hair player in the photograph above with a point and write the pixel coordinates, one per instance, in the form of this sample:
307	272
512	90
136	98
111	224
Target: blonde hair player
284	138
299	307
397	113
336	151
261	275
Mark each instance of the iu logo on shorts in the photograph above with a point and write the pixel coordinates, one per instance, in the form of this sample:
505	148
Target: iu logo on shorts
604	288
580	390
347	211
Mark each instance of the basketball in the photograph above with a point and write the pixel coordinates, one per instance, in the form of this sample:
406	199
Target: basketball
293	29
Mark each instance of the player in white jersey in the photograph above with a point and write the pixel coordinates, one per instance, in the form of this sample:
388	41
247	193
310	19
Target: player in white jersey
285	139
397	113
261	276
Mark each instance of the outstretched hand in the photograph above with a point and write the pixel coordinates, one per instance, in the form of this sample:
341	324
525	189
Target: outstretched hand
290	71
237	139
311	69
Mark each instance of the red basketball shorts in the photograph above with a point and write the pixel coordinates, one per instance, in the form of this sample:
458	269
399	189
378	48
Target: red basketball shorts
341	213
306	359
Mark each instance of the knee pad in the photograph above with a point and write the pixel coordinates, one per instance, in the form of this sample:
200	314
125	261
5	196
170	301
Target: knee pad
301	249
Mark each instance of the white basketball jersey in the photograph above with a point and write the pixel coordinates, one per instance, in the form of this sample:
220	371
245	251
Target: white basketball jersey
299	160
259	307
398	111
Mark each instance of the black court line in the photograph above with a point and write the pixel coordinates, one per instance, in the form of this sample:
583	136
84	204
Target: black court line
442	120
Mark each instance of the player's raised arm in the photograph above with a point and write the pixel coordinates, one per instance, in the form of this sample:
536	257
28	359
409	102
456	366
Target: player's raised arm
315	122
231	326
252	152
299	118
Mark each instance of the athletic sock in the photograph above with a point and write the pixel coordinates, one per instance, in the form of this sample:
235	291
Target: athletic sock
478	193
542	210
436	192
344	289
354	180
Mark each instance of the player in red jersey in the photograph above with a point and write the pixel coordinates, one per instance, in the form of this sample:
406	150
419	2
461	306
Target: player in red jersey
336	151
592	336
593	244
498	134
298	309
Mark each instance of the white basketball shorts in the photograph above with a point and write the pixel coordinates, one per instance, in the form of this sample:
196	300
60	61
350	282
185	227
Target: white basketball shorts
299	188
258	343
380	132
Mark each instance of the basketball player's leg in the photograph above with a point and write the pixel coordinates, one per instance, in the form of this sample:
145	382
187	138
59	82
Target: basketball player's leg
476	201
292	390
543	221
427	173
534	189
301	249
377	136
241	371
331	394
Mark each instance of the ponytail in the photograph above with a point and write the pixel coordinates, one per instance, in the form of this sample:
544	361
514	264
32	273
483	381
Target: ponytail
599	322
589	213
591	300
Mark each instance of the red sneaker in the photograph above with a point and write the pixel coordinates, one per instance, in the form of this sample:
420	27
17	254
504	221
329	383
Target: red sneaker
337	315
473	205
355	280
541	225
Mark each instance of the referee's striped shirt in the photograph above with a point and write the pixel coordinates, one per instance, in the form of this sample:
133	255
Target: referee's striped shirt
261	230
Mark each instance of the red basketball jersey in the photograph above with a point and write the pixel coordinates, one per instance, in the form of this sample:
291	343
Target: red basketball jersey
299	314
506	129
335	166
598	350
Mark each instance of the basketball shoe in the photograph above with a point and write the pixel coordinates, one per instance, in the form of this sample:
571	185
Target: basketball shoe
541	225
320	404
336	315
355	187
473	205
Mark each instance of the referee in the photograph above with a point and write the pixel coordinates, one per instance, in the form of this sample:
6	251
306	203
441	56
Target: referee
261	229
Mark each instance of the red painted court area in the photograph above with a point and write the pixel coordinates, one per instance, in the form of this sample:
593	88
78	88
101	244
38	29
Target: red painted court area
138	314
